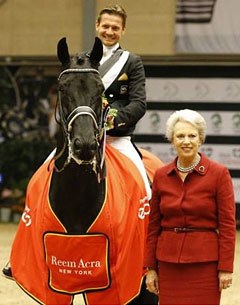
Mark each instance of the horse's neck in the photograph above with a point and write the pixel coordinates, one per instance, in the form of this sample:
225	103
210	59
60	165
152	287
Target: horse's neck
76	197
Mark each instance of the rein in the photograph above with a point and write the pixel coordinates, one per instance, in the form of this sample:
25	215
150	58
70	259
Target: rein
67	127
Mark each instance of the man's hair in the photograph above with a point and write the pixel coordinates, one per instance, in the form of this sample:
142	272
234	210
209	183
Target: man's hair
114	10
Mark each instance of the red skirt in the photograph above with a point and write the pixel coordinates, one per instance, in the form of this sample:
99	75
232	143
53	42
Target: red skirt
188	284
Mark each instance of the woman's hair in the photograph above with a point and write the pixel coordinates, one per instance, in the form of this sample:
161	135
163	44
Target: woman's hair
189	116
114	10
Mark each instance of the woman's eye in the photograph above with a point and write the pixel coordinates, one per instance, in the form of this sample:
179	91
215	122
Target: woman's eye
181	137
192	136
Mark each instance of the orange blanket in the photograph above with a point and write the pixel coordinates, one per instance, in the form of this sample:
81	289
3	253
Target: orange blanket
51	266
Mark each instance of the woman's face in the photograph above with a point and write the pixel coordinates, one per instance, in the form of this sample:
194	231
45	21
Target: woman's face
186	140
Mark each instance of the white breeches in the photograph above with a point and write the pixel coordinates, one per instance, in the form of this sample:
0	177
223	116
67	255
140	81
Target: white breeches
125	146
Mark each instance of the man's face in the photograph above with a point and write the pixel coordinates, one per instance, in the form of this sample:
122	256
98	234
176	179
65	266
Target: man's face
110	29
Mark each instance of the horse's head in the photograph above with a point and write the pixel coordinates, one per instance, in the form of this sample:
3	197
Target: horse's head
80	105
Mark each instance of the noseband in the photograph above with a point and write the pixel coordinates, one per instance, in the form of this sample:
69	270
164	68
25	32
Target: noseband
67	127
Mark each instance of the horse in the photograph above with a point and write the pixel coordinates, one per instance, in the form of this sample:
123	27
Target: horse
86	213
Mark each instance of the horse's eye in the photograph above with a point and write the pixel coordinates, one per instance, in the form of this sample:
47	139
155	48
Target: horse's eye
60	87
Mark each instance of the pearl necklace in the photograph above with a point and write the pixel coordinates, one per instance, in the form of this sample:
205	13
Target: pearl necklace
189	168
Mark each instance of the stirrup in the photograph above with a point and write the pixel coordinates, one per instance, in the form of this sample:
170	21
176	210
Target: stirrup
7	272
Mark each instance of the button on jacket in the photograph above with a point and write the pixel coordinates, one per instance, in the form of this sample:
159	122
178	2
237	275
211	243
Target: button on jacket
205	200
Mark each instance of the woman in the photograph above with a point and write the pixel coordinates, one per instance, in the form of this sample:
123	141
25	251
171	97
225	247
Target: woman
191	233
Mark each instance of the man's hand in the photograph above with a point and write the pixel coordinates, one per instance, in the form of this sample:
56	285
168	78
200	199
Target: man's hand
109	124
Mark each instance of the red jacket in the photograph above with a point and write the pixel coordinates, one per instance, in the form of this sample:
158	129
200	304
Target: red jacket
204	200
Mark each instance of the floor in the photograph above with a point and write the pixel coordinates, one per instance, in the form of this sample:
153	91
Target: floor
11	294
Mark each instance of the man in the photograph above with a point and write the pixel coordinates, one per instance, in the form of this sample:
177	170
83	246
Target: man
124	79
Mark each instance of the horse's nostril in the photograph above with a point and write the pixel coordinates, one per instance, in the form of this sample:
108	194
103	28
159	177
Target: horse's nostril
84	150
93	146
77	144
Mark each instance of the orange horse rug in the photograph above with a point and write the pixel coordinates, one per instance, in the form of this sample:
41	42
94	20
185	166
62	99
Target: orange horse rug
104	264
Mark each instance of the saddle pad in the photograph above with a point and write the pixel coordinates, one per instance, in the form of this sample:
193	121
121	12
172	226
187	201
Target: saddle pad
77	263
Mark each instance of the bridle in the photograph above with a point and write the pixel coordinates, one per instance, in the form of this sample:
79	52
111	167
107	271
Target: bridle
66	123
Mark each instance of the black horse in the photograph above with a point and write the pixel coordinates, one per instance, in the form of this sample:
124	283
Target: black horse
79	155
67	197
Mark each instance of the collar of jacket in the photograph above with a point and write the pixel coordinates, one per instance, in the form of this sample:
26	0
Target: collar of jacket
112	49
201	168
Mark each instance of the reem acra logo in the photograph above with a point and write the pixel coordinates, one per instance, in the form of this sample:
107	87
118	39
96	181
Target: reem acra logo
80	267
26	218
144	209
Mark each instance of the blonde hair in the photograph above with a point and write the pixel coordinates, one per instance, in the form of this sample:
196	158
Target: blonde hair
117	10
189	116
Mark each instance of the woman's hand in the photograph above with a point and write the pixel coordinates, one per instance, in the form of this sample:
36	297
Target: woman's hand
225	280
152	281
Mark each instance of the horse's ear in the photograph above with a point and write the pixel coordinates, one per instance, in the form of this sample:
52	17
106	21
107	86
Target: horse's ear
62	52
97	51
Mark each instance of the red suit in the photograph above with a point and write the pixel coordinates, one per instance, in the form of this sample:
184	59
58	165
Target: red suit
204	202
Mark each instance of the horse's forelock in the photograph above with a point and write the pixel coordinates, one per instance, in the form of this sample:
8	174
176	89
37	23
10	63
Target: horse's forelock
81	60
